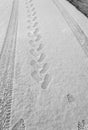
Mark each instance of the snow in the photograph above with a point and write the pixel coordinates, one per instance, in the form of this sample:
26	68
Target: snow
5	10
67	61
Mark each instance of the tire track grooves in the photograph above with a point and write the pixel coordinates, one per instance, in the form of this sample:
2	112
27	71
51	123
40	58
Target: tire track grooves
19	125
76	29
7	68
4	50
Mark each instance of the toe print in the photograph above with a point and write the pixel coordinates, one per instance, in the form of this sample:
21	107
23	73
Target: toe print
38	38
34	18
36	76
33	52
34	64
31	5
34	14
33	9
36	31
35	24
44	68
31	42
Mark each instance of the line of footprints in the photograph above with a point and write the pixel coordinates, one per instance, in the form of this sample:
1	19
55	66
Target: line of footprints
40	67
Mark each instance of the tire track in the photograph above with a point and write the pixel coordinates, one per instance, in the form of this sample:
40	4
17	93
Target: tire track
7	59
19	125
76	29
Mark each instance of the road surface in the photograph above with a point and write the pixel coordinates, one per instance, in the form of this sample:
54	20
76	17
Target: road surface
50	79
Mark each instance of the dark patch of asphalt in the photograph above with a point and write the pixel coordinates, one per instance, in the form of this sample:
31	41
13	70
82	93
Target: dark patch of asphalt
81	5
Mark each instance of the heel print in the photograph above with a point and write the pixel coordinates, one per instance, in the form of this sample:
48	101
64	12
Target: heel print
46	81
32	52
42	57
35	76
34	64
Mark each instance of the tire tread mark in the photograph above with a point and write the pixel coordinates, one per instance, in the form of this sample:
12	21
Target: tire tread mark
19	125
76	29
6	79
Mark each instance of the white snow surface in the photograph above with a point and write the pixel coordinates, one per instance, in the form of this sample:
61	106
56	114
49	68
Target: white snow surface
68	66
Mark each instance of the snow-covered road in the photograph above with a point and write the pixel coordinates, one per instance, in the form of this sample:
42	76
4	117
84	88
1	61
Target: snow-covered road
5	10
50	64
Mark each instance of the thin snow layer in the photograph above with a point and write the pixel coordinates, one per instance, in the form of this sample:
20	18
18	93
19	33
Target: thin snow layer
64	102
5	11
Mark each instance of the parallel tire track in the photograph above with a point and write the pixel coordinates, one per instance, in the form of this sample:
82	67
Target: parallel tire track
76	29
7	59
20	125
